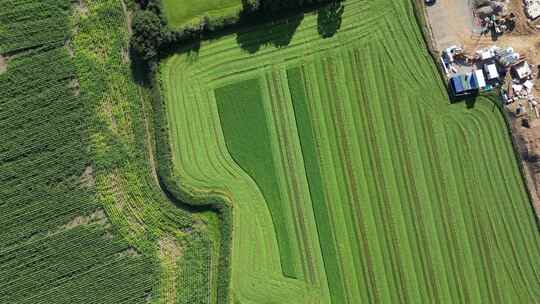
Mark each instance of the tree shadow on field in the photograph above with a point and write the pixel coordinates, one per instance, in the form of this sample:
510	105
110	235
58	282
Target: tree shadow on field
329	19
140	69
277	33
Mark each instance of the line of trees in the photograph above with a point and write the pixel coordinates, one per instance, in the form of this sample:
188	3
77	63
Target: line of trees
151	33
276	5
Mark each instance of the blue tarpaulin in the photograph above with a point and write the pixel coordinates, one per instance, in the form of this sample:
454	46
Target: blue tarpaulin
464	83
457	85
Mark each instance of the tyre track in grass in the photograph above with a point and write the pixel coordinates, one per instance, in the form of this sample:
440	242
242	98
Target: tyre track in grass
462	183
316	87
362	127
393	130
288	186
334	100
375	195
416	218
465	211
442	214
497	184
446	216
467	165
420	193
298	185
380	195
402	279
340	98
303	108
502	142
480	130
360	137
488	225
391	194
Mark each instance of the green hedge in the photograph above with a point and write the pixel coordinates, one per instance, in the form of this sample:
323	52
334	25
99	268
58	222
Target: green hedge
169	183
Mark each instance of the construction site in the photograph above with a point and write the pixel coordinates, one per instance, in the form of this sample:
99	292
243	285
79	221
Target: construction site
485	46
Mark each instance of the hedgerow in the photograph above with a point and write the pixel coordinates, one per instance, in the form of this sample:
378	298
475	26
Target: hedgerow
149	41
198	202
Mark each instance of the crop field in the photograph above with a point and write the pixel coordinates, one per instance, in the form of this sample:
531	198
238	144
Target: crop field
351	176
83	219
184	12
56	243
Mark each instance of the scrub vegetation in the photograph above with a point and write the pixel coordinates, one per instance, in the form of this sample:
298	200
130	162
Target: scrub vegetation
375	188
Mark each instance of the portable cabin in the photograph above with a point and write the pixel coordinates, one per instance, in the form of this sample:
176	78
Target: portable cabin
491	71
479	74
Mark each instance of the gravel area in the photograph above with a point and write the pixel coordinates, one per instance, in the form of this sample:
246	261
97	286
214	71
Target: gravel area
456	13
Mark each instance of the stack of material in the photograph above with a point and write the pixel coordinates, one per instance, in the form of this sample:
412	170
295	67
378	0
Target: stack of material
522	71
491	71
532	8
507	56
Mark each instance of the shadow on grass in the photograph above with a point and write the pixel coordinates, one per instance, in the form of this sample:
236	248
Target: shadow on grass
276	33
469	99
278	28
329	19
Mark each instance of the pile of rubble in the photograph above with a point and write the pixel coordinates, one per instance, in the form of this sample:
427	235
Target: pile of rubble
532	8
493	16
520	88
485	8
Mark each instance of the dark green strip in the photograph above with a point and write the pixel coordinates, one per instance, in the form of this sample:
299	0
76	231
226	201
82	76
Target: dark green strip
245	127
313	173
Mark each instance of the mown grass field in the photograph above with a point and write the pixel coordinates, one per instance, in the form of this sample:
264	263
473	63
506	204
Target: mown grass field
180	13
352	178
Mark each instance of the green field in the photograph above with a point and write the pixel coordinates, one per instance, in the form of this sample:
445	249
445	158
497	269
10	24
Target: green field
180	13
352	178
56	243
83	219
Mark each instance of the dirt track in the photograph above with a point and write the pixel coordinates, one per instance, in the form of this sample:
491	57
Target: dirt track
454	12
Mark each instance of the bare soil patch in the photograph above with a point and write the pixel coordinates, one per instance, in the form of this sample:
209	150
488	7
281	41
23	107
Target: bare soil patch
528	143
81	7
130	252
3	64
170	247
97	216
445	12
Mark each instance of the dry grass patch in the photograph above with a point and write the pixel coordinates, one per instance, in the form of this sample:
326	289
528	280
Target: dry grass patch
3	64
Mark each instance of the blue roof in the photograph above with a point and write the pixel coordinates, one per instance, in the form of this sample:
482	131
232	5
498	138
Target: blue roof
457	84
473	82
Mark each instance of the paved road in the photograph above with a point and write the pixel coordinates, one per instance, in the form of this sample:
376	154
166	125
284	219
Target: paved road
451	22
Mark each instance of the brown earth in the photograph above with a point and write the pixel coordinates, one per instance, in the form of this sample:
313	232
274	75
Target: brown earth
87	178
528	143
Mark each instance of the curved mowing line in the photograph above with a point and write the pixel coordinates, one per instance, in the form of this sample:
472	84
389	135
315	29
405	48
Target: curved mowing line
398	205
